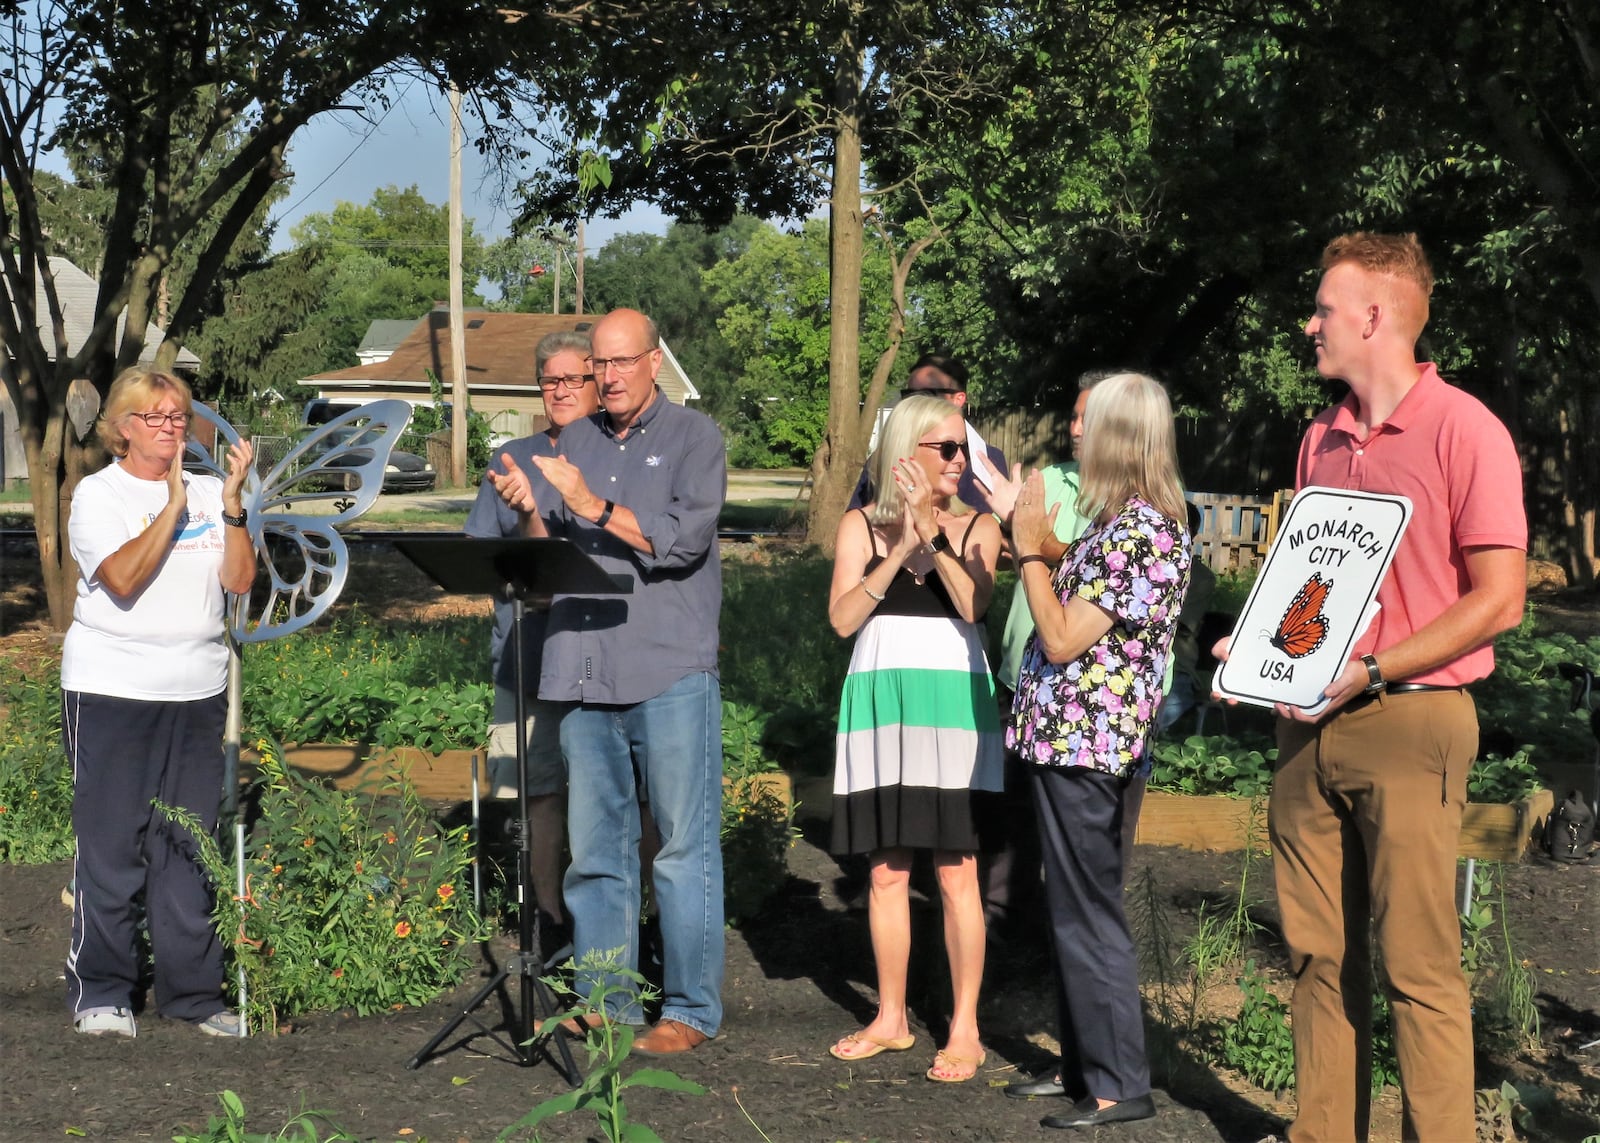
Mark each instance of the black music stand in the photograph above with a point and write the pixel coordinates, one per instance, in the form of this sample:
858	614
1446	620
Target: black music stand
514	570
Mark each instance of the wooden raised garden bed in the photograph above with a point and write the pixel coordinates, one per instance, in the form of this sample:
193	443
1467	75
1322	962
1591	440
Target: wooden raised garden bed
443	777
1489	832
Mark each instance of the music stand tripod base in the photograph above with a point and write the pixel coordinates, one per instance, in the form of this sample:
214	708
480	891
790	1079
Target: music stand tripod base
514	569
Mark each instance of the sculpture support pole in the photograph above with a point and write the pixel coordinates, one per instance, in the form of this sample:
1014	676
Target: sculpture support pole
230	794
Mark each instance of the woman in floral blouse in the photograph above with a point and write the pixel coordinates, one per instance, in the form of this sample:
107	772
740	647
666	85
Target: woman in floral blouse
1087	695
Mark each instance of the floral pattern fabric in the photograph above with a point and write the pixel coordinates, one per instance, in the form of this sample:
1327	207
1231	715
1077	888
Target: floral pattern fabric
1096	710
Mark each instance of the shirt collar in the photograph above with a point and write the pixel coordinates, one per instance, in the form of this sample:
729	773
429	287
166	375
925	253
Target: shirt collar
641	423
1405	413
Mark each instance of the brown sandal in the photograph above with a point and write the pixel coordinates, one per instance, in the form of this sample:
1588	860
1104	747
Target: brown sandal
958	1069
873	1046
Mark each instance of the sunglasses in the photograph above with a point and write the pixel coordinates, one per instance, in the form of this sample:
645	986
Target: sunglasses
948	449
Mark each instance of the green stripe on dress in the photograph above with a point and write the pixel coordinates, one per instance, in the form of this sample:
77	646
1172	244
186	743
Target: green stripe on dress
957	699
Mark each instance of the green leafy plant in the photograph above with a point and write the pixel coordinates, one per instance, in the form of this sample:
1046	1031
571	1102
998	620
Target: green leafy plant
229	1127
607	1045
1524	702
757	824
351	899
1504	1012
35	777
1385	1059
1503	780
1259	1043
779	655
1212	764
1498	1113
357	680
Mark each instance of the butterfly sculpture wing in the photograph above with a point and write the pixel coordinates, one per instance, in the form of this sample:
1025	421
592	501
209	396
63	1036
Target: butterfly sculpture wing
1304	627
328	478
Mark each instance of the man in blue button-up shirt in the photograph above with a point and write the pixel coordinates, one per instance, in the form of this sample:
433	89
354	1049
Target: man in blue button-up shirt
642	484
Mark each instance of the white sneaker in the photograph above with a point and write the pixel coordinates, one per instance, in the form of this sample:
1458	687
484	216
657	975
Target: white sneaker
112	1022
224	1023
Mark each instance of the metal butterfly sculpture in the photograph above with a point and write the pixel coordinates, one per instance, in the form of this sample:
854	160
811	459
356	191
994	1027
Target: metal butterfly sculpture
339	469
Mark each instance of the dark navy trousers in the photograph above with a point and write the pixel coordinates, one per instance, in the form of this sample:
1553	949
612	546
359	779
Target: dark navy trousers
1086	824
126	754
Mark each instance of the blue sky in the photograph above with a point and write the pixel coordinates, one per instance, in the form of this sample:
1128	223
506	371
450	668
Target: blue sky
339	156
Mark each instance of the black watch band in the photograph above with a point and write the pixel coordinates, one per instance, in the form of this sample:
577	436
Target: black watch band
939	543
1375	679
604	518
236	521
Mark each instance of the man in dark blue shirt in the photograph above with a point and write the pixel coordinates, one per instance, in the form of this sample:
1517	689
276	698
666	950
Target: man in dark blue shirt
641	486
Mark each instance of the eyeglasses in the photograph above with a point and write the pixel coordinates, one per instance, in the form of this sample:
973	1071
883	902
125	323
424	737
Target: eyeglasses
948	449
910	392
570	380
623	365
156	420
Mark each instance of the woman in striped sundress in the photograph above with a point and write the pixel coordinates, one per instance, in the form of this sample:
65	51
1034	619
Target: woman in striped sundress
919	747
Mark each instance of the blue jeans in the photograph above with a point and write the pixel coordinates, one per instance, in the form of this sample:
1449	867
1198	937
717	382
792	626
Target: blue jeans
669	749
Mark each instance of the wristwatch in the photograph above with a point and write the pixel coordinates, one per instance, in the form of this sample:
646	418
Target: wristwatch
939	543
1375	680
236	521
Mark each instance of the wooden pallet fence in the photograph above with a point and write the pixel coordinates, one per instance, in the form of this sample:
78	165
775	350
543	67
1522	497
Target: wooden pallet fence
1236	531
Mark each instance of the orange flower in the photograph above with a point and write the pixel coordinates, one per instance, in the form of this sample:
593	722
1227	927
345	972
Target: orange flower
358	867
308	843
403	929
338	973
445	892
390	838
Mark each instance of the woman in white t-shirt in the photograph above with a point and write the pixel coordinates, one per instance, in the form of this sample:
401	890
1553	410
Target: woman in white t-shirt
143	675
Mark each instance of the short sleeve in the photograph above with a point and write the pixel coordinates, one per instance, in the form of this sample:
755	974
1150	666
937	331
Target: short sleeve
96	528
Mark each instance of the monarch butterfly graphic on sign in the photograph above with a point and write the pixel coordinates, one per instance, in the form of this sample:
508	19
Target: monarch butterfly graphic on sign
1304	626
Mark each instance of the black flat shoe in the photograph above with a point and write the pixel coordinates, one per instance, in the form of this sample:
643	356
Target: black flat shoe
1087	1113
1039	1087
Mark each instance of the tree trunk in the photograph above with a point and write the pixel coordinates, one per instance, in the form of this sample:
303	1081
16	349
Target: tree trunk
844	447
56	464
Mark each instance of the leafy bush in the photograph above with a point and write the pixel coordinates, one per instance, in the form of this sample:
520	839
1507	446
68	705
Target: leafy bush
35	777
757	826
351	899
1232	589
780	656
1502	780
424	685
1212	764
1524	702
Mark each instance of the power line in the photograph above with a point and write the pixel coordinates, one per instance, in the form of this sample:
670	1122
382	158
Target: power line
362	142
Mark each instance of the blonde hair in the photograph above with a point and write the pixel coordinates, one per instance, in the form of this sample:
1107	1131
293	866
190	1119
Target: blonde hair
134	388
1397	259
912	419
1130	448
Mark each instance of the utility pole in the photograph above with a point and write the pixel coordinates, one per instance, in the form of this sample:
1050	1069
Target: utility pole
577	275
458	331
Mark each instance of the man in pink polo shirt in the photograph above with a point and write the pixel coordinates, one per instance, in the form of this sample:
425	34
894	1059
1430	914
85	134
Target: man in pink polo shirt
1366	805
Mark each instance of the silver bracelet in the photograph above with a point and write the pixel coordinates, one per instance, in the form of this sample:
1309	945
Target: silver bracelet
870	593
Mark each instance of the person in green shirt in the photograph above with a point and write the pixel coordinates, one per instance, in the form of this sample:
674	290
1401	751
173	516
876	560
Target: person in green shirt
1010	878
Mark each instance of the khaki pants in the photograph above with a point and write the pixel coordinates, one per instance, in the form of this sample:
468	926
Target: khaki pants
1365	820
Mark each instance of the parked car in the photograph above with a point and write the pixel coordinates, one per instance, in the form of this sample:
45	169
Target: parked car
405	472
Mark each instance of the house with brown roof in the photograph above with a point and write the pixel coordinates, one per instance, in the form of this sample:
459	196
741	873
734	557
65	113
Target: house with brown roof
500	379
